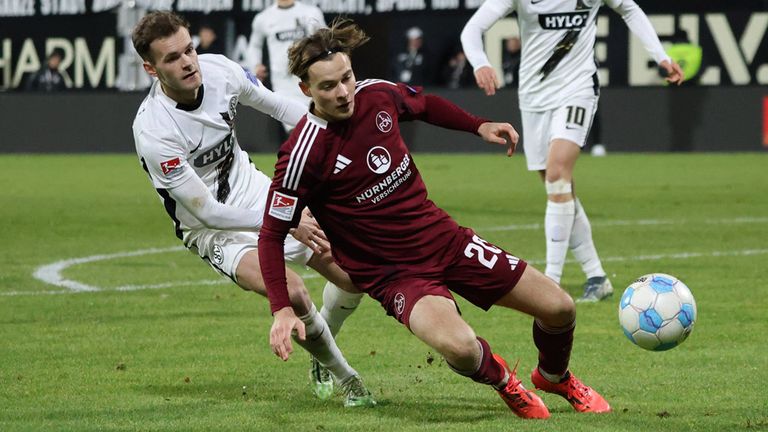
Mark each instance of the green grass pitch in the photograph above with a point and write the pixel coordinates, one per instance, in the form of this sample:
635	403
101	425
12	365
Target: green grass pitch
166	345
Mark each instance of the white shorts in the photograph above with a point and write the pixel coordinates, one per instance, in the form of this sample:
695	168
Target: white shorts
223	250
570	122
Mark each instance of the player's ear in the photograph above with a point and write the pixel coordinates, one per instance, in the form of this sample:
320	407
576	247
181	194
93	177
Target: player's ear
305	89
150	69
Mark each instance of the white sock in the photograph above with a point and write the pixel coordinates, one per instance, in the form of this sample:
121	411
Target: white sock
582	246
558	222
337	306
321	345
553	378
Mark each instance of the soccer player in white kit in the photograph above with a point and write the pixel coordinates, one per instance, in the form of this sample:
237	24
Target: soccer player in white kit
186	141
558	94
280	25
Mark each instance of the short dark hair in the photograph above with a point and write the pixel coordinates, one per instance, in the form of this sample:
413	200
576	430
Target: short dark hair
342	36
155	25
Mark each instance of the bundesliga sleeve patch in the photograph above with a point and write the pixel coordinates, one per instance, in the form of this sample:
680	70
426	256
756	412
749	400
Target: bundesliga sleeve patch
170	165
282	206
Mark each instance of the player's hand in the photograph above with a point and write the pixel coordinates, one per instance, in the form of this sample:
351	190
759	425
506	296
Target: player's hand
261	72
486	79
309	232
285	323
499	133
674	72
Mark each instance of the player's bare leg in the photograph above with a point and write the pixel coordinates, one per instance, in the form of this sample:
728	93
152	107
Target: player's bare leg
435	320
318	342
554	315
566	223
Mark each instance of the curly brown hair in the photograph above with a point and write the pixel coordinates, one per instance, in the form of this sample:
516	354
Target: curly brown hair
155	25
342	36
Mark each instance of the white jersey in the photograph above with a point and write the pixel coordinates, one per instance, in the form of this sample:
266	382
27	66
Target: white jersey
177	142
545	27
281	27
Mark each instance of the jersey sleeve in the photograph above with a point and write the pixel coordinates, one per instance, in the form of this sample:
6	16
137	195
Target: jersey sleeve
413	104
639	24
482	20
255	95
164	158
295	175
253	53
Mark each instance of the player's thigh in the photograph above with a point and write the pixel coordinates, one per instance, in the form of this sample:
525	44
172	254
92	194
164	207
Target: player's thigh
539	296
331	271
436	321
535	138
398	297
222	250
234	254
569	128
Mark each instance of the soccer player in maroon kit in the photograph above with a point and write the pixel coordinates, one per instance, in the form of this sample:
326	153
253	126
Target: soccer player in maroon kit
347	162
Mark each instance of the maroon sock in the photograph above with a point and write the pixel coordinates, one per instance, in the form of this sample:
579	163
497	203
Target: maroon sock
554	346
490	371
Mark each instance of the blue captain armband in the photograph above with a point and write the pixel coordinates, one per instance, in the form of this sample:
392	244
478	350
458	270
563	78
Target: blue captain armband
251	77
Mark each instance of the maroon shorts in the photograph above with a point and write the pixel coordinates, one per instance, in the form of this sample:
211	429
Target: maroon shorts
477	270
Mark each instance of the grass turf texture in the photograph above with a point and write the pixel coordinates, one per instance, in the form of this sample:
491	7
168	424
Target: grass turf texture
196	357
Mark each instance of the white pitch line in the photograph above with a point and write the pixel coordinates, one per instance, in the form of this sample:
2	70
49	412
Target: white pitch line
642	222
51	273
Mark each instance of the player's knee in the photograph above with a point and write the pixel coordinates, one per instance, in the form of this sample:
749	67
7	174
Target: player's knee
556	185
299	297
562	311
460	349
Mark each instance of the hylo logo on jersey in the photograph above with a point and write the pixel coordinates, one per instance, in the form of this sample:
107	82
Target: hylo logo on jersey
379	160
170	165
563	21
384	121
399	303
282	206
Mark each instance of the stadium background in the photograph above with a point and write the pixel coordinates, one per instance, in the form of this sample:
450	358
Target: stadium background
725	109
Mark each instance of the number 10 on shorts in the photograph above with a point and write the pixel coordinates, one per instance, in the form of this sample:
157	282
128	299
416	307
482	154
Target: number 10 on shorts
479	247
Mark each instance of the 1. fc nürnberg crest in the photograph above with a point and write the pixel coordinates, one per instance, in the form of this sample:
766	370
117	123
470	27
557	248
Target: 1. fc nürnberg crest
399	303
384	121
379	160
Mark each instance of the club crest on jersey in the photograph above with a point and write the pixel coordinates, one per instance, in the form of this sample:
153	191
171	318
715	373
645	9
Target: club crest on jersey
282	206
379	160
399	303
170	165
232	108
384	121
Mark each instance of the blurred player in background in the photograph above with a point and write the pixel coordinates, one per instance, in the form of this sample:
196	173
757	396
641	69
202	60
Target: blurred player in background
558	92
347	162
280	25
185	138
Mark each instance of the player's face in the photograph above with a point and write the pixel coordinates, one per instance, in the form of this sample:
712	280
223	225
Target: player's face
332	87
175	65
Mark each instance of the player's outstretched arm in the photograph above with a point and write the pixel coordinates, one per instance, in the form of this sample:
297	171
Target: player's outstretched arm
285	322
472	43
499	133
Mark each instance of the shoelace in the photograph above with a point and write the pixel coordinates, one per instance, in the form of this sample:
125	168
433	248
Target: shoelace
579	388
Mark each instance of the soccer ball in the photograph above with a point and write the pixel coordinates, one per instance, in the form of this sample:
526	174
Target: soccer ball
657	312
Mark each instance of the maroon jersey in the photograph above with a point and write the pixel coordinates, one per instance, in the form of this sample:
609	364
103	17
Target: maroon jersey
363	187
